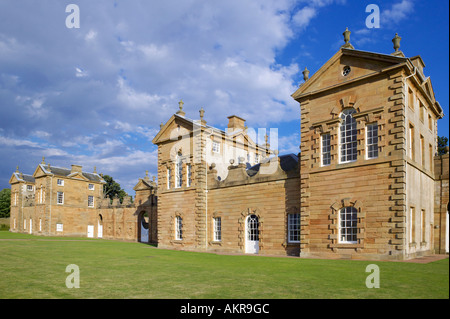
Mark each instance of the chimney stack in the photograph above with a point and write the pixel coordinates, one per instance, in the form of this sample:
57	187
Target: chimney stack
76	169
235	123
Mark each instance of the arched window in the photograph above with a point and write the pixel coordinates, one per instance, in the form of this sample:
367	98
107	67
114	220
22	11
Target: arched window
348	225
178	228
348	145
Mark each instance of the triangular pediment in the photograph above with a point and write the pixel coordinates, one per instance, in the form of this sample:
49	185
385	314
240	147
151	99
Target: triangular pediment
13	179
142	185
40	172
78	175
176	126
345	66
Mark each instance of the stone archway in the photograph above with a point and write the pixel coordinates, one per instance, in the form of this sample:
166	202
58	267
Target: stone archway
143	227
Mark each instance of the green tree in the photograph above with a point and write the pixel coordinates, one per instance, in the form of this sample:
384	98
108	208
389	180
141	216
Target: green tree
112	189
5	202
442	145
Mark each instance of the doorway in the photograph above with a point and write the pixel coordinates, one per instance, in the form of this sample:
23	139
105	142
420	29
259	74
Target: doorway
143	226
252	234
100	226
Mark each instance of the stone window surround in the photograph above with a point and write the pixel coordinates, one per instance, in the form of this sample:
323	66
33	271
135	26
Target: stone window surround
334	226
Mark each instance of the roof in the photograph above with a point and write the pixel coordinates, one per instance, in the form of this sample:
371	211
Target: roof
288	162
66	172
23	177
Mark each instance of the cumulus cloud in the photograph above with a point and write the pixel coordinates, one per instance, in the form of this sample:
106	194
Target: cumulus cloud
98	94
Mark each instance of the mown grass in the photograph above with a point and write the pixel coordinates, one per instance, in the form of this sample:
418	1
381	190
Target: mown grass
34	267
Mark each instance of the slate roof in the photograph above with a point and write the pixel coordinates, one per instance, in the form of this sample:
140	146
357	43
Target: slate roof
24	177
66	172
287	162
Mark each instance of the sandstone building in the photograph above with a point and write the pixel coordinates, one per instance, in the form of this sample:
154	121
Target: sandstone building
366	184
57	201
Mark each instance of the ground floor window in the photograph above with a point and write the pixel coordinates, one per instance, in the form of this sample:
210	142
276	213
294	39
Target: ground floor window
178	228
347	225
294	228
217	224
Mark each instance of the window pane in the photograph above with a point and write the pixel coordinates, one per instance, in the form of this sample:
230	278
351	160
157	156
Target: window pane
348	136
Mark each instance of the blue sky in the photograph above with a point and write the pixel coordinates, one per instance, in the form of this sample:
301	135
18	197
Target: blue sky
95	95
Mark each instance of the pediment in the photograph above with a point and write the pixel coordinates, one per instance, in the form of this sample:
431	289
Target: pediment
346	66
78	175
142	185
40	172
175	127
13	179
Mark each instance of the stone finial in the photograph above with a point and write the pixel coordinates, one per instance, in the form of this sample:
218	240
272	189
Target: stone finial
396	41
43	160
17	169
95	169
161	125
305	74
180	111
346	35
202	114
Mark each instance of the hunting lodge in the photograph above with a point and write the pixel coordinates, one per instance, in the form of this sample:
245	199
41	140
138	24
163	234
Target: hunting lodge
367	183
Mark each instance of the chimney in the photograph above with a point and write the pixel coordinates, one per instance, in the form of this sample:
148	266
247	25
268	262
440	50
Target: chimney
235	123
76	169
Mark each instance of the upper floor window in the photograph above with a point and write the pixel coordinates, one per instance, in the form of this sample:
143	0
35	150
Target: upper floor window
430	122
411	142
372	141
30	188
348	145
188	175
410	98
169	178
90	201
216	147
60	182
326	149
178	171
91	187
60	198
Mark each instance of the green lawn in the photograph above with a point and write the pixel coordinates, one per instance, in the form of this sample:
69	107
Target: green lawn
34	267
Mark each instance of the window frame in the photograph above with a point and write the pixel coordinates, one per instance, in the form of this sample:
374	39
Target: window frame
178	228
215	148
188	175
293	223
344	230
372	141
91	202
169	177
348	150
217	229
179	171
60	195
325	150
60	182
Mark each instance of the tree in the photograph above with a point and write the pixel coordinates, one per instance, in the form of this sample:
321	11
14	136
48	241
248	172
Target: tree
442	145
5	202
112	189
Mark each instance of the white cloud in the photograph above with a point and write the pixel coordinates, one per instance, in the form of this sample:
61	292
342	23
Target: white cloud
397	12
304	16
